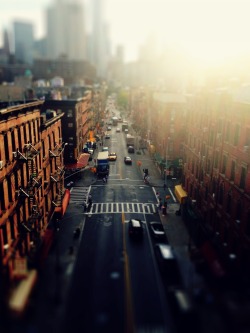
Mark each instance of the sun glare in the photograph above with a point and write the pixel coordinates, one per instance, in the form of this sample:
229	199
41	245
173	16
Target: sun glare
207	30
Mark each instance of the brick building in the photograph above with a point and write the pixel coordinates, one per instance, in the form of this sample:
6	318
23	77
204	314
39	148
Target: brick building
216	175
160	117
76	125
31	189
204	140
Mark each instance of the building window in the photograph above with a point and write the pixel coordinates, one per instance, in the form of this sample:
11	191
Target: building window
19	137
13	141
243	177
248	224
4	233
69	114
2	202
221	194
224	164
229	202
236	135
9	189
233	167
6	147
238	210
12	227
247	137
216	159
227	136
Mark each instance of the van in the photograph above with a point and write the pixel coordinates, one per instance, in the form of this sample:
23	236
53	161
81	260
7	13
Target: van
131	149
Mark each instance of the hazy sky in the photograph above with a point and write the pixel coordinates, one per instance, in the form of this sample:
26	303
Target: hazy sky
210	30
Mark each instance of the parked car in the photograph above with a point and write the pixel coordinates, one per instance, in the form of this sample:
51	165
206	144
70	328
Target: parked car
107	135
168	265
157	230
118	130
127	160
109	128
112	156
135	229
131	149
105	148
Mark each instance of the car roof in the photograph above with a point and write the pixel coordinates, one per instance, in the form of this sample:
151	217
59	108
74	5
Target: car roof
135	223
166	251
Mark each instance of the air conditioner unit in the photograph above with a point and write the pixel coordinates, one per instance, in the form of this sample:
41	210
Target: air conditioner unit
1	165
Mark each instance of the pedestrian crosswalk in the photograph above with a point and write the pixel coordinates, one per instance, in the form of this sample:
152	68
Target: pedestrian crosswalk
122	207
79	194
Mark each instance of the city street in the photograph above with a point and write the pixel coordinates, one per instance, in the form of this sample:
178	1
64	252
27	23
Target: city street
95	278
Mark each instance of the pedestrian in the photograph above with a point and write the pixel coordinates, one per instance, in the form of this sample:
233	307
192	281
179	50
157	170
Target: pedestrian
160	204
90	199
166	205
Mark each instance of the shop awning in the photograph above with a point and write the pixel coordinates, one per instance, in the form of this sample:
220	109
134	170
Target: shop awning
81	162
62	209
180	193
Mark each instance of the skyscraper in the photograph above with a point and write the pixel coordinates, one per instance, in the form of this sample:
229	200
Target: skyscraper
100	48
24	42
66	30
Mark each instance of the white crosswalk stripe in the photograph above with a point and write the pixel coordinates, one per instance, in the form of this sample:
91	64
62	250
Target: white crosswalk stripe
125	207
79	194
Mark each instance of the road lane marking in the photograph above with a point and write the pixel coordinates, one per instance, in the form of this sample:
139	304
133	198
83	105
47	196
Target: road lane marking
129	315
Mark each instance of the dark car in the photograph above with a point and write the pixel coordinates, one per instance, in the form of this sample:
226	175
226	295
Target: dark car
168	265
127	160
135	229
157	230
131	149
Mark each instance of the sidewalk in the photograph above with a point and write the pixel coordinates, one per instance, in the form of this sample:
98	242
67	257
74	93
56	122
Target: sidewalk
174	225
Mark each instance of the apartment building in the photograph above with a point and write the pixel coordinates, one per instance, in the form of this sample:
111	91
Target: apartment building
216	175
31	190
76	125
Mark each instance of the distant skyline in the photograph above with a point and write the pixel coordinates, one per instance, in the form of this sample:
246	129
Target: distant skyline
211	31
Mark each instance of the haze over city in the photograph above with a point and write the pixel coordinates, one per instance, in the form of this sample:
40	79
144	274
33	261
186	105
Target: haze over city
211	32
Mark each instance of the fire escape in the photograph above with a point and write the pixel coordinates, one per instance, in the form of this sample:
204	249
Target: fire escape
31	191
58	176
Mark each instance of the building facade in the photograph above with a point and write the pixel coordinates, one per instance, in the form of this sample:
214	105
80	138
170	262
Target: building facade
216	175
31	190
76	125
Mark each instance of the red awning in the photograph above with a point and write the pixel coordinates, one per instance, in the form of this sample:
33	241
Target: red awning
81	162
212	260
62	209
65	201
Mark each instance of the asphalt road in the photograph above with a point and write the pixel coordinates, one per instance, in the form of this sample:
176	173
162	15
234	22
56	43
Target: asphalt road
116	285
